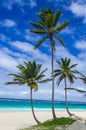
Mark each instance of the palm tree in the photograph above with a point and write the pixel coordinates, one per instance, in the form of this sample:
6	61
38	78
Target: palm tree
31	75
48	27
65	72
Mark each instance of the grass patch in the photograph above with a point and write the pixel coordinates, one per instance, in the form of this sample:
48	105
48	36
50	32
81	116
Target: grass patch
52	125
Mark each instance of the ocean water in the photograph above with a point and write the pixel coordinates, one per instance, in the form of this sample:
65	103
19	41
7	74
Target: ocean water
21	104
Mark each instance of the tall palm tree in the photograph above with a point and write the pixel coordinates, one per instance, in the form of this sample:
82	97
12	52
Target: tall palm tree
63	73
31	75
48	27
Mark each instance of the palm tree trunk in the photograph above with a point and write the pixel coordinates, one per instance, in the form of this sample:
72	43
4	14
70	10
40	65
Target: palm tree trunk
52	63
33	107
66	101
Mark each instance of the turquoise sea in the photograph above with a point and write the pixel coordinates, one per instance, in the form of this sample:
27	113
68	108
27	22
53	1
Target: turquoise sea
23	104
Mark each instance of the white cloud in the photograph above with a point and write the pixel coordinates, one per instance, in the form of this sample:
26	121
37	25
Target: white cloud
10	59
30	36
82	55
63	52
9	62
29	49
46	59
33	3
9	3
79	10
68	30
4	37
24	92
81	45
7	23
6	61
24	46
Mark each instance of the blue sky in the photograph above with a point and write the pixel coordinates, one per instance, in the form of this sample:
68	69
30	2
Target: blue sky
17	43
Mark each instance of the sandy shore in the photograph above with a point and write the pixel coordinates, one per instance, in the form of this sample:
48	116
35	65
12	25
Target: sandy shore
14	120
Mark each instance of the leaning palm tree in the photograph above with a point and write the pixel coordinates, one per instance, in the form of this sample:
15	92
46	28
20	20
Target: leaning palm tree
63	73
48	27
31	75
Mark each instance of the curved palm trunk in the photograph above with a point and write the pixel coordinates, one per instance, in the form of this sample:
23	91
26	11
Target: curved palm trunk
66	101
33	107
52	63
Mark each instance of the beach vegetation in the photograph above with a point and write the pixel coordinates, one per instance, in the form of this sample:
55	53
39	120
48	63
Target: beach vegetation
58	124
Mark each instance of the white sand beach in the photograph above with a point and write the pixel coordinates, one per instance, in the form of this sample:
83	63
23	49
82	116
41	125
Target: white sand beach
14	120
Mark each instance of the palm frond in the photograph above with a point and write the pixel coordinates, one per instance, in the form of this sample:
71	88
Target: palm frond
60	79
62	26
42	24
73	65
84	80
38	31
57	74
58	62
73	71
49	20
68	62
40	75
37	70
78	90
37	25
41	14
21	68
74	76
45	80
70	77
61	41
80	73
10	83
16	75
60	65
65	61
44	70
57	70
40	42
57	16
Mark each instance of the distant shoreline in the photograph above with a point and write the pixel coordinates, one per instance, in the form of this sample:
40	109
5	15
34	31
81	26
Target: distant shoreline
40	100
